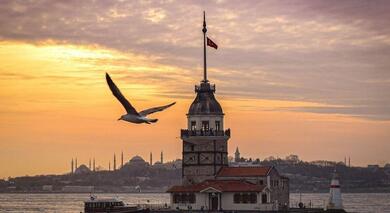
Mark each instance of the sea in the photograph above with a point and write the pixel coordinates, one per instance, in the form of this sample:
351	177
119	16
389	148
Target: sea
73	203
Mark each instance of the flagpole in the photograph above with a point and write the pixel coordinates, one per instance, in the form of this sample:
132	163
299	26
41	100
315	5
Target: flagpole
204	49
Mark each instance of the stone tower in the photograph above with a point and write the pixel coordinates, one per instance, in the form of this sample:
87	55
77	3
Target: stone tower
205	139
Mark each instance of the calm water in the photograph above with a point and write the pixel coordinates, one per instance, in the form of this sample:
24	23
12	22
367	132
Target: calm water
65	203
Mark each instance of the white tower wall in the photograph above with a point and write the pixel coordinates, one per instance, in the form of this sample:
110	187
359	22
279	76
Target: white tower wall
335	200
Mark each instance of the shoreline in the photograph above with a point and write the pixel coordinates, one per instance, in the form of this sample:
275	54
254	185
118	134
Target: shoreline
168	193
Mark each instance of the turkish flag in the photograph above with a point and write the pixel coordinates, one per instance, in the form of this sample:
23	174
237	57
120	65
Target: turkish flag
211	43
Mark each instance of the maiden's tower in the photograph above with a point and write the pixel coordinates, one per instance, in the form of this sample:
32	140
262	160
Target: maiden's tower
208	183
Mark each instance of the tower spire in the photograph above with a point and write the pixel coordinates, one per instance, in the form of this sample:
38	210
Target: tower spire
204	49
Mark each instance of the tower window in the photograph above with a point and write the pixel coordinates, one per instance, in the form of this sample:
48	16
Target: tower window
193	125
205	125
217	125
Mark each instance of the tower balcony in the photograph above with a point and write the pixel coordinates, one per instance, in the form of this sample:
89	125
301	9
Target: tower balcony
186	133
205	87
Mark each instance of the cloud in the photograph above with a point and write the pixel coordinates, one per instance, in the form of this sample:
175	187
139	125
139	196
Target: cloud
329	52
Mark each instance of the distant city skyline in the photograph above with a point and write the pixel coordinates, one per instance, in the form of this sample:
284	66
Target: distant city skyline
308	78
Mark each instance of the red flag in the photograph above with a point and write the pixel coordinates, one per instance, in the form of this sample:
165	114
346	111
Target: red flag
211	43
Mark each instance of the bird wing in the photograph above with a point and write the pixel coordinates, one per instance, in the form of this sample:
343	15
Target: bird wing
155	109
117	93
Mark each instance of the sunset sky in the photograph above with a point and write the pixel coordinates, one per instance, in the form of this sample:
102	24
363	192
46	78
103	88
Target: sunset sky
302	77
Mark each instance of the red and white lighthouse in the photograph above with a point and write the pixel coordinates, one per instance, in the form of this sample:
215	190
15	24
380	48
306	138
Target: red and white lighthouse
335	201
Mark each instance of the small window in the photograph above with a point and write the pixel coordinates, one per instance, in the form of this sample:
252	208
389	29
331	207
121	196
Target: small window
176	198
253	198
245	198
191	198
217	125
264	198
205	125
237	198
193	125
184	198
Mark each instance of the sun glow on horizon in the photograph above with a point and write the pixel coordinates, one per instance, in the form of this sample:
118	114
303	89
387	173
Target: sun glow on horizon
55	94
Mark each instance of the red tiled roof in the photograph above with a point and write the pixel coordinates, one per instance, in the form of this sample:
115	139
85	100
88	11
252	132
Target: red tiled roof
220	185
243	171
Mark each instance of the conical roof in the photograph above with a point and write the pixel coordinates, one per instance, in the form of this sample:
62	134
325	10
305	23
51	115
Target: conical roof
205	102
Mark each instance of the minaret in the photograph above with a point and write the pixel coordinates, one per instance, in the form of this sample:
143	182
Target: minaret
94	168
335	201
345	161
109	165
204	140
162	157
151	159
237	155
114	168
75	165
122	159
349	161
72	165
90	167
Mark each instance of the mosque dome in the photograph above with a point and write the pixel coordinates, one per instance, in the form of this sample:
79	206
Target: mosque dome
82	169
205	102
137	159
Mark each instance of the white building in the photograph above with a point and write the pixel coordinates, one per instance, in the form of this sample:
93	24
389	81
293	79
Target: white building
234	188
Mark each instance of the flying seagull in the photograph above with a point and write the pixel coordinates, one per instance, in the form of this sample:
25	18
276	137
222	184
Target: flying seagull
132	115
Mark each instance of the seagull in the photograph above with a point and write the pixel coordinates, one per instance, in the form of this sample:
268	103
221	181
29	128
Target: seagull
132	115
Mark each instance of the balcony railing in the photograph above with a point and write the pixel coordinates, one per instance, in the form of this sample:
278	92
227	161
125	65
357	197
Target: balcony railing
205	87
191	133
